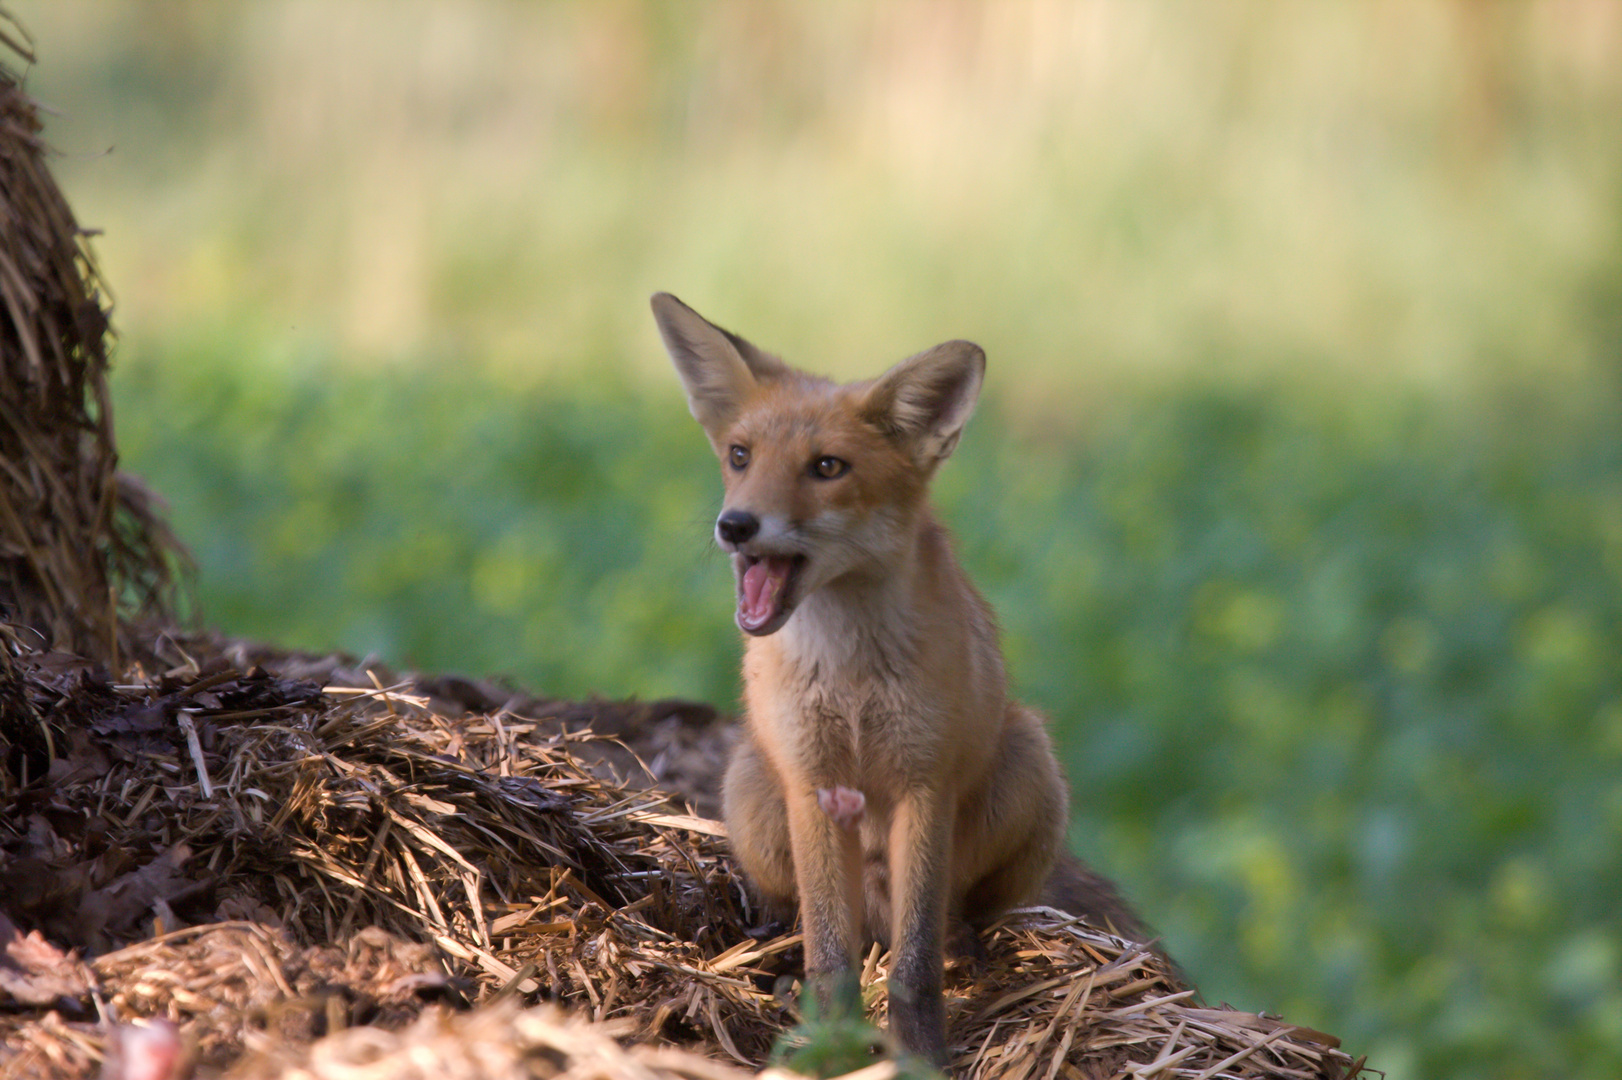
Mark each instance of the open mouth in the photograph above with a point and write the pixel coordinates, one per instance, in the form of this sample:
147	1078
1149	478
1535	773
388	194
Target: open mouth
766	590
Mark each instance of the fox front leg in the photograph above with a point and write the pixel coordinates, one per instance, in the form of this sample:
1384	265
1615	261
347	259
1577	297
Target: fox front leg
919	845
827	867
846	807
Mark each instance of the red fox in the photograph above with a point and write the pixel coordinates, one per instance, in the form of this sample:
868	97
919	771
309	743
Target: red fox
884	779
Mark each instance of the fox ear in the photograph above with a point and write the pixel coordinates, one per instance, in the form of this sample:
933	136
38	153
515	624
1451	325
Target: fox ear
925	400
718	368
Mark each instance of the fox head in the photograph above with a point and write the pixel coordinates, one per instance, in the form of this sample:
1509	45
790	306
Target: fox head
823	480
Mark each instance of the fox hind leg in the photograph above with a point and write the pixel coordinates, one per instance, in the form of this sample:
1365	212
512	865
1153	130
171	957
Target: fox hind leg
757	824
1015	830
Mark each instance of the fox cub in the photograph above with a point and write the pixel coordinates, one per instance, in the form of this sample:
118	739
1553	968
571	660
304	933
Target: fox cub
884	780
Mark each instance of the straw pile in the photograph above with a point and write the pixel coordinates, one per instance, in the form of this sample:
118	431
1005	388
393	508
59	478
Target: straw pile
80	544
263	859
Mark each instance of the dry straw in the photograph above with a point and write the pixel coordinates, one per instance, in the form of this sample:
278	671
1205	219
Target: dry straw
80	543
368	851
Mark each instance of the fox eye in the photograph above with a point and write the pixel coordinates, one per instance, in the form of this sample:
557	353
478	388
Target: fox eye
738	457
828	467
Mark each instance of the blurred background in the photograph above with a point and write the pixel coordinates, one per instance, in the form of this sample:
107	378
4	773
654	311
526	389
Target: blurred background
1298	484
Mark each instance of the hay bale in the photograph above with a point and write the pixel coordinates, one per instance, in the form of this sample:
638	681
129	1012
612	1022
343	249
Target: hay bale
82	550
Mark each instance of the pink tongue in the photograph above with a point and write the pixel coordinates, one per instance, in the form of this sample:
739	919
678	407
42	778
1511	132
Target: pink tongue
763	585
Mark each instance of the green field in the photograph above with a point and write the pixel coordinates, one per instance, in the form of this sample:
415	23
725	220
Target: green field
1298	485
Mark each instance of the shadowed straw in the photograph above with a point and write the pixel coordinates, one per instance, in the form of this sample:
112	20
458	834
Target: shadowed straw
80	544
365	852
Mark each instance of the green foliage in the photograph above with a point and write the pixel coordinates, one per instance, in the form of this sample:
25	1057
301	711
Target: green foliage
1336	682
442	522
841	1040
1339	691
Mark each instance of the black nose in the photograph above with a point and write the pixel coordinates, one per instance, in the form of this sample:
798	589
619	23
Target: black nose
736	526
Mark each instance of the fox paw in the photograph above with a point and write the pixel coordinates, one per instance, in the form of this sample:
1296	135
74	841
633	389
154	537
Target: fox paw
844	805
